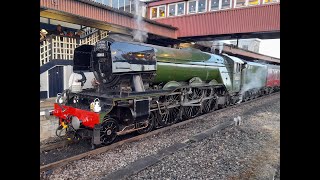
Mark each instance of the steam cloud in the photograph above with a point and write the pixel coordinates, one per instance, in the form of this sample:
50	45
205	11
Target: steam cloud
254	80
140	33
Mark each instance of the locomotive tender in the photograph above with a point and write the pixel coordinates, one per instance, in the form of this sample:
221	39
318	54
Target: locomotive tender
140	87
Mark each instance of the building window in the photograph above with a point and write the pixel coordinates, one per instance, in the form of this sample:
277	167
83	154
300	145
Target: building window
192	7
176	9
215	5
115	4
270	1
154	12
240	3
162	11
127	4
220	4
121	5
226	4
133	6
254	2
202	5
158	12
180	8
172	10
105	2
196	6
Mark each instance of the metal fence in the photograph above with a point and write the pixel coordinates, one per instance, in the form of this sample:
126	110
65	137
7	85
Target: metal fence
62	47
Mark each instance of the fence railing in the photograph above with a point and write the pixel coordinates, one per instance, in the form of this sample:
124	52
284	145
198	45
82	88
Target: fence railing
45	52
94	37
62	47
87	32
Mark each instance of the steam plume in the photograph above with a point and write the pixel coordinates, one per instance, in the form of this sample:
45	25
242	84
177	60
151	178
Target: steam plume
140	33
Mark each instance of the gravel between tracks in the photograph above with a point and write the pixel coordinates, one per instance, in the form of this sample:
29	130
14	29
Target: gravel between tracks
95	166
250	151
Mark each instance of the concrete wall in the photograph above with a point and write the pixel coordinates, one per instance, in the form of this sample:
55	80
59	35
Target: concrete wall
44	85
67	71
44	81
48	127
248	44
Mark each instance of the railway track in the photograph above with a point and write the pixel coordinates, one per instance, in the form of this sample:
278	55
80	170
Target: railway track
132	139
55	145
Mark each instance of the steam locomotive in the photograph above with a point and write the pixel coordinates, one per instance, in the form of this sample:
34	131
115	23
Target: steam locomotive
140	87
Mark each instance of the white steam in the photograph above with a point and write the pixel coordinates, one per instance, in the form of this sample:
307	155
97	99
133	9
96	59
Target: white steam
140	34
253	80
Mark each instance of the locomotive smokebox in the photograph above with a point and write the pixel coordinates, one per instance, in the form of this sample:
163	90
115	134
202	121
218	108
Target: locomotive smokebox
112	61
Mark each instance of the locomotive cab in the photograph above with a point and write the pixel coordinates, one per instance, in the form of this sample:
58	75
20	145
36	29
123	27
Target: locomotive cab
235	68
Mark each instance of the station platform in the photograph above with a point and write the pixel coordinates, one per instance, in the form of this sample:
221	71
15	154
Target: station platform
47	103
47	125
